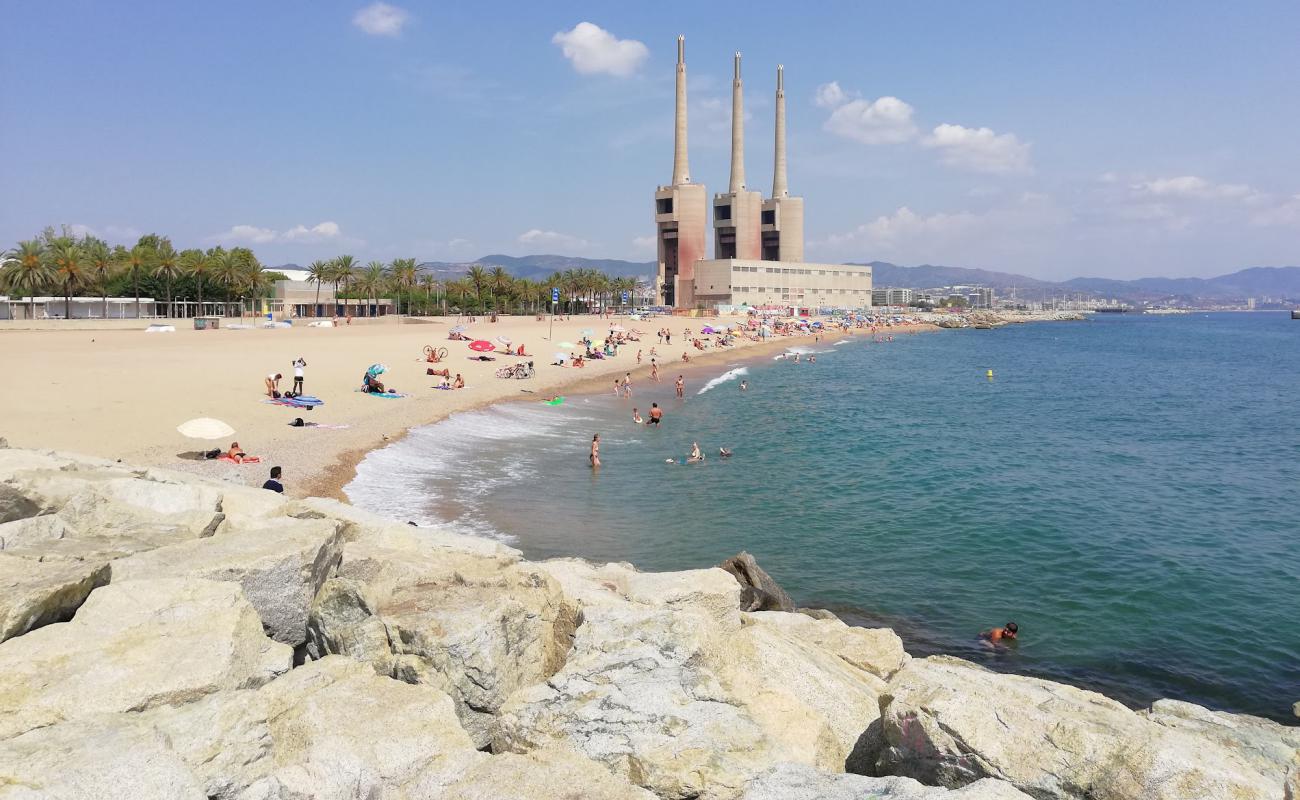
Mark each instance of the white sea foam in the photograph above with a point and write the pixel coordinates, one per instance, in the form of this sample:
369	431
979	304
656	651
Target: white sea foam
407	480
729	375
841	341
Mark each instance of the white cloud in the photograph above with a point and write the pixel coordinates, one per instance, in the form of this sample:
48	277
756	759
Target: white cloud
979	149
829	95
113	233
1193	187
593	50
381	19
884	121
251	234
317	233
1285	215
644	244
536	236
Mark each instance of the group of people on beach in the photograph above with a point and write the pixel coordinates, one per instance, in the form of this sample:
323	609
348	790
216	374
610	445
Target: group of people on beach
273	380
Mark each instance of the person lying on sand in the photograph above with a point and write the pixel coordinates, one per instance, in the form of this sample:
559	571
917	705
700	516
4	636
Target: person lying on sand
235	453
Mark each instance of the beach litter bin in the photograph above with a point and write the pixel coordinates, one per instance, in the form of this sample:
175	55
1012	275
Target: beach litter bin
206	323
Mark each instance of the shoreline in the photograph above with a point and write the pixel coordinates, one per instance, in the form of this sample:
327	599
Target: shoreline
331	482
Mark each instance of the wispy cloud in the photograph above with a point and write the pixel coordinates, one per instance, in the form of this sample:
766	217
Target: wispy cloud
537	237
298	234
381	19
1193	187
593	50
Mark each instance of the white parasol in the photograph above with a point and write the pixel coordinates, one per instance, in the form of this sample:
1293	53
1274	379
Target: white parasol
205	428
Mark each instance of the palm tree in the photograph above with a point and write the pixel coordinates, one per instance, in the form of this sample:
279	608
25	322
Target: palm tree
342	274
138	261
71	269
198	265
463	288
427	283
101	267
228	270
167	267
27	270
404	275
254	282
318	273
570	284
371	283
499	280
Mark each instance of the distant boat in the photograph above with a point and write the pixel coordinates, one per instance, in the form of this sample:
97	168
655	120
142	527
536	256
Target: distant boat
1114	309
1295	313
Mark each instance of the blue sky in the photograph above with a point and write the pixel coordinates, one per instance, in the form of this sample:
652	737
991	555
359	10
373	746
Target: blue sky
1113	139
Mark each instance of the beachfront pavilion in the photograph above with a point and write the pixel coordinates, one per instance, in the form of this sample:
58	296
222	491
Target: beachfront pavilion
292	298
82	308
746	282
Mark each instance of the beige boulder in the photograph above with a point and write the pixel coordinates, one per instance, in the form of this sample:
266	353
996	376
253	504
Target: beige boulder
132	646
100	758
801	782
280	563
949	722
33	594
711	592
33	533
477	627
552	773
878	651
363	525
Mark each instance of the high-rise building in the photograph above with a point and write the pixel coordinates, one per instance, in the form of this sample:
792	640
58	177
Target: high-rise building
681	212
782	214
758	244
736	213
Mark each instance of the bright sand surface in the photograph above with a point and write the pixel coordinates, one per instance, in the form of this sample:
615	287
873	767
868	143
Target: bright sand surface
121	393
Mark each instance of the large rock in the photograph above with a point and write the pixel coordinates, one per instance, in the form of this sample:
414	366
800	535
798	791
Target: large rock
799	782
637	694
553	773
949	722
363	525
477	627
33	594
1269	747
878	651
711	592
759	591
162	513
33	533
15	505
103	758
132	646
280	563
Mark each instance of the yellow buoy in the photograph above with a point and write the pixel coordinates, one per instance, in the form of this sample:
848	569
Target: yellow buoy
990	373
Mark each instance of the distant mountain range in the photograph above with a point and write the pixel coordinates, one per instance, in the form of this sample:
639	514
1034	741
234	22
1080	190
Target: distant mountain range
1282	284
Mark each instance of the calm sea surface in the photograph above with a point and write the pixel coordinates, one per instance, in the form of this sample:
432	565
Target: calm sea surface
1125	489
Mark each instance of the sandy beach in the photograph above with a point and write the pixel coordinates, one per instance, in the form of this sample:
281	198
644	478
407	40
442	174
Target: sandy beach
121	393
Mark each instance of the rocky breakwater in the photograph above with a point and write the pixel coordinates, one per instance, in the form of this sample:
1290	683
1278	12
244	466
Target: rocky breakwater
170	637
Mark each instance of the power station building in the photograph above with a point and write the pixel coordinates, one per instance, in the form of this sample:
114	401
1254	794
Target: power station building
757	243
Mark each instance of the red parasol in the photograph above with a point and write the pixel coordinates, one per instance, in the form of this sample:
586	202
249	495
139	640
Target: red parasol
482	346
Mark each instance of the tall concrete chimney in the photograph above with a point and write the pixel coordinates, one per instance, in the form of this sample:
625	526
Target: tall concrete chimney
681	170
737	132
779	186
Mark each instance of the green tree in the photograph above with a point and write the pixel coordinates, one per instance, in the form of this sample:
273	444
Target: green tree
500	281
139	262
167	266
428	283
404	275
228	271
371	283
27	270
198	265
101	266
71	269
318	272
343	273
479	279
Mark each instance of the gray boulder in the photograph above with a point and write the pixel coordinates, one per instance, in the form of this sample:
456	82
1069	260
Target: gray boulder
801	782
759	591
948	722
33	593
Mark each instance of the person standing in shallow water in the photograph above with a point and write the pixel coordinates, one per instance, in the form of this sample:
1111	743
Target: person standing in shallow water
681	387
594	458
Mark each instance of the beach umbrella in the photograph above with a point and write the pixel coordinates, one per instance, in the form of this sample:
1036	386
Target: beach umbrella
567	344
482	346
376	369
505	340
205	428
458	329
618	329
561	356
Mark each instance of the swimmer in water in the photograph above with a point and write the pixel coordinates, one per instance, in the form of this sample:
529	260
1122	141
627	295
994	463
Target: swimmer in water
696	455
996	635
744	386
724	452
636	416
594	458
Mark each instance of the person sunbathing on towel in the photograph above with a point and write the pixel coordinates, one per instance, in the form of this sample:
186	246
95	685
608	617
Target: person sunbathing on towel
371	383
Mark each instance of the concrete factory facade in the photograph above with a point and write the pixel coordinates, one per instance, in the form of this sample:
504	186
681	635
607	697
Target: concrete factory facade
757	244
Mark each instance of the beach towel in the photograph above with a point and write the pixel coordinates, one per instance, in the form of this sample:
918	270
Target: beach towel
304	401
386	395
247	460
557	401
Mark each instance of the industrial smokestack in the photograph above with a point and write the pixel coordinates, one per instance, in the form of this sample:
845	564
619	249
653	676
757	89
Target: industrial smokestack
779	186
737	132
681	170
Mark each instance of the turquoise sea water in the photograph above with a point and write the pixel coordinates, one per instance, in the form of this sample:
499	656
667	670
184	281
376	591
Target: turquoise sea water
1125	489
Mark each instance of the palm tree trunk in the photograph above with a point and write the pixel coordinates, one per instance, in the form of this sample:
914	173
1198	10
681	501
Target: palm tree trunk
67	299
199	283
315	310
171	309
104	297
135	281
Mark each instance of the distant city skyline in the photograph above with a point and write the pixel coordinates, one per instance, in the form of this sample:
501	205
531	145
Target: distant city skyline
1111	140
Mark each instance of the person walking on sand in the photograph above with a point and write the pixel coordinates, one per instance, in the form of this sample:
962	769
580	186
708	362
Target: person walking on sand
273	384
299	365
654	371
681	387
638	356
594	458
